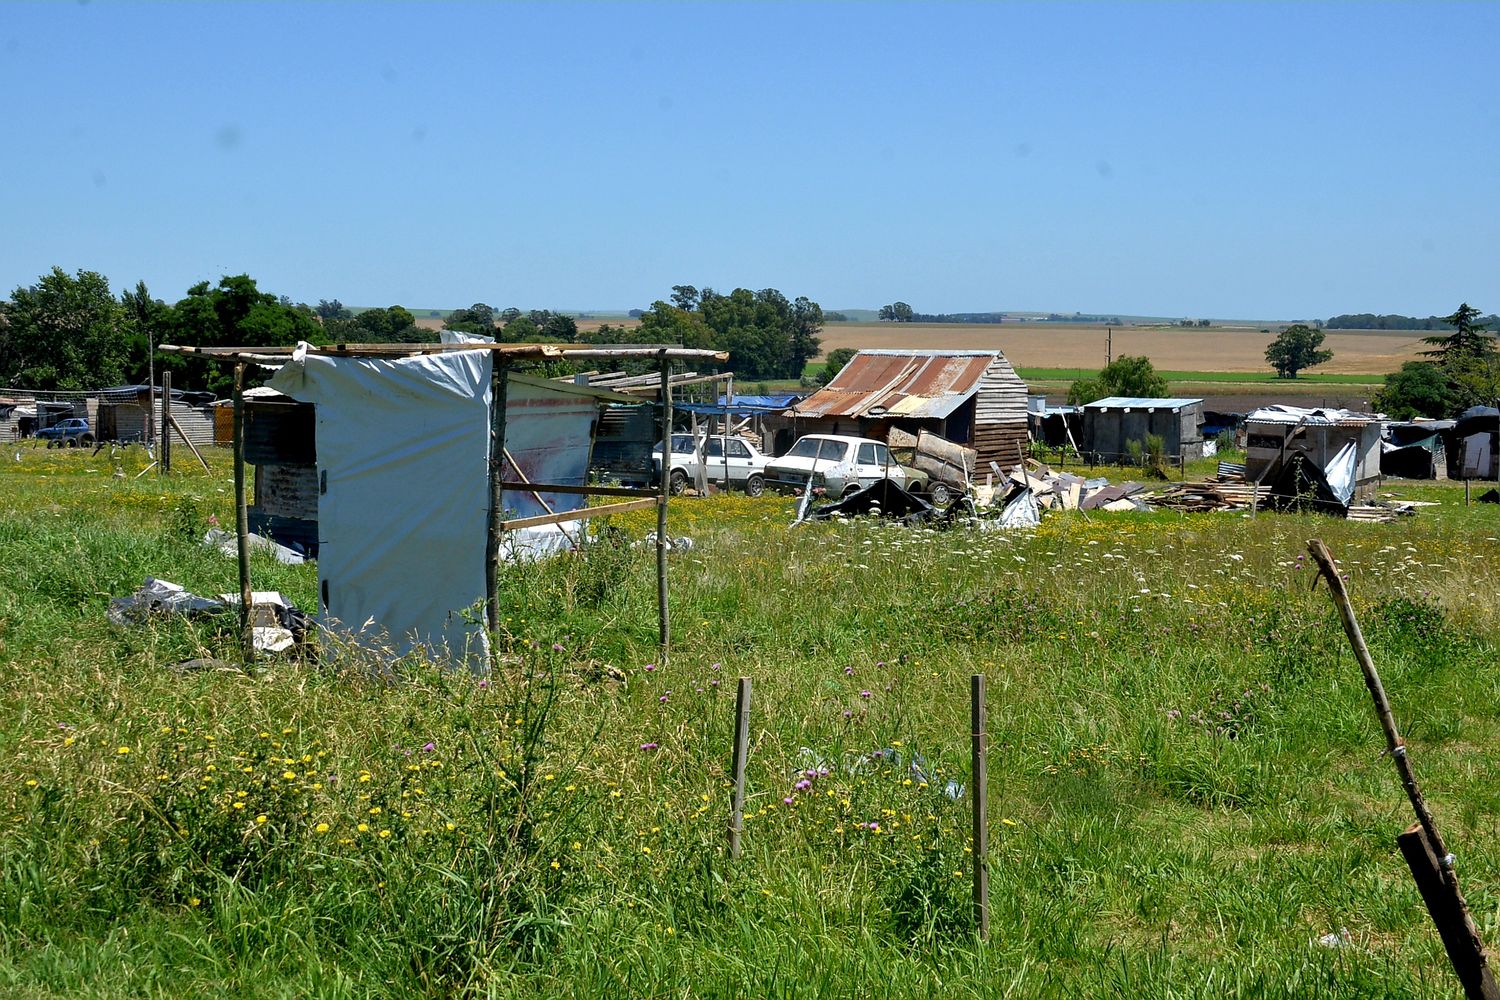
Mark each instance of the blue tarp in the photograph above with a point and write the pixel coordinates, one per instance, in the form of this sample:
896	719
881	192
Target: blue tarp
742	405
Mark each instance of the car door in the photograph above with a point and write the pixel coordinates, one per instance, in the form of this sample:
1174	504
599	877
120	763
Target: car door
867	464
739	461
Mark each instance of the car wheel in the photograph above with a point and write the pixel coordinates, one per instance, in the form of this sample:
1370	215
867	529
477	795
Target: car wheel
941	494
72	442
678	482
755	485
86	440
851	489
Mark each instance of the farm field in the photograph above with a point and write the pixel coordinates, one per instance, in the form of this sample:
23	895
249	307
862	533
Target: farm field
1061	345
1061	351
1187	788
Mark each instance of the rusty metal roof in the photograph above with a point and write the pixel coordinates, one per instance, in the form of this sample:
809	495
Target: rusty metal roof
918	384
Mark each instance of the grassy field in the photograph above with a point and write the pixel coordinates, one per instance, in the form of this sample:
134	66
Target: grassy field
1187	785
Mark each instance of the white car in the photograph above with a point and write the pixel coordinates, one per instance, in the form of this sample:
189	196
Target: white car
746	465
841	465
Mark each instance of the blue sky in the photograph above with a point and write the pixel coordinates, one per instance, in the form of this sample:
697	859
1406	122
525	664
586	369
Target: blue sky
1251	161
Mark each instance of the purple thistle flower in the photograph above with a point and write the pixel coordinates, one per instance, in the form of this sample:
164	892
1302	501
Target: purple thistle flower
802	786
866	694
714	682
429	746
848	671
847	713
713	666
649	667
788	800
557	647
649	746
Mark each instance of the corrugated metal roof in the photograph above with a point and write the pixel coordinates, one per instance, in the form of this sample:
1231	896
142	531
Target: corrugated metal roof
1283	414
1140	403
919	384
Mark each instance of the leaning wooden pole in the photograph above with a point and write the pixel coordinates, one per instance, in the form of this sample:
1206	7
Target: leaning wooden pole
737	765
664	492
499	390
979	781
1460	936
241	509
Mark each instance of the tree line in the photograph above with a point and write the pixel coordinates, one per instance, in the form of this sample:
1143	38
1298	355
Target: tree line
70	331
1394	321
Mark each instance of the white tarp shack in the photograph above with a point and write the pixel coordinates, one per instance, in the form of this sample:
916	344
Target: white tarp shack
402	452
432	459
1275	433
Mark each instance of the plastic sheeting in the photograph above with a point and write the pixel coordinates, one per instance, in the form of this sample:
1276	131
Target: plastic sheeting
1340	473
403	446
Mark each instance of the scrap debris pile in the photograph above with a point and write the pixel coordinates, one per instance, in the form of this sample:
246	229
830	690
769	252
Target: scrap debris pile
1024	493
1227	491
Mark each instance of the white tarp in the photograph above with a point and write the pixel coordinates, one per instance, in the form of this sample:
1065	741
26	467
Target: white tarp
1478	462
1340	473
404	446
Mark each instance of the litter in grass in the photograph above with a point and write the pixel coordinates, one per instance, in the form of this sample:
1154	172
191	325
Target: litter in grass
225	542
276	623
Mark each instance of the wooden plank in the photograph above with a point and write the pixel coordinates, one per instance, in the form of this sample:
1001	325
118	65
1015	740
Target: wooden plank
737	765
1455	927
582	512
587	491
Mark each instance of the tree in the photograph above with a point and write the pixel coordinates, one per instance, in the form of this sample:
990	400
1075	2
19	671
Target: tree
393	325
477	319
898	312
146	319
325	309
685	297
1469	338
1125	376
64	332
235	312
835	362
1419	389
1297	347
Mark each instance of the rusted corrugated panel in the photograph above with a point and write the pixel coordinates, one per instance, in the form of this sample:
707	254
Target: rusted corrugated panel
916	384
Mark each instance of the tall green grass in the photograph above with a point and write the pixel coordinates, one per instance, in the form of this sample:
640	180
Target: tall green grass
1186	785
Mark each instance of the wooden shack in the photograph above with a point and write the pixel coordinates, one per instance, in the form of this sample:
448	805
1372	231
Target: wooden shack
972	398
1275	433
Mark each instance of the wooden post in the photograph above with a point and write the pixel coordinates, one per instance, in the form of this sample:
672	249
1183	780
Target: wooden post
979	783
241	509
1466	492
737	764
728	398
499	391
1455	906
1453	923
166	423
665	491
191	447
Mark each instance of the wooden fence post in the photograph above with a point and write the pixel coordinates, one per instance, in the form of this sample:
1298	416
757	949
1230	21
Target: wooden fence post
979	782
662	613
241	510
741	752
1453	922
1427	856
166	424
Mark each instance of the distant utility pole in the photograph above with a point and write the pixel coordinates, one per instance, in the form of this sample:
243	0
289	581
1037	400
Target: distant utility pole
1109	345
